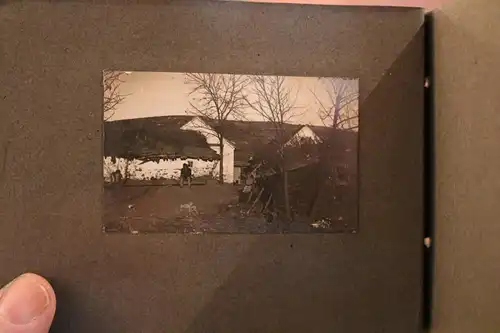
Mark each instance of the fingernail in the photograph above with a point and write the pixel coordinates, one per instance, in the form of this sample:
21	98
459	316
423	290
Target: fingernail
23	300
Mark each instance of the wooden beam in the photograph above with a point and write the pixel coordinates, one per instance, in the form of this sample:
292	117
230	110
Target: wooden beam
255	201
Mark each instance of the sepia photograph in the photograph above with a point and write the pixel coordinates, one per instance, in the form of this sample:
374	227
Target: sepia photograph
200	153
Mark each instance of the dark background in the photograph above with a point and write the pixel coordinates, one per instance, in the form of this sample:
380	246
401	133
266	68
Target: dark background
51	170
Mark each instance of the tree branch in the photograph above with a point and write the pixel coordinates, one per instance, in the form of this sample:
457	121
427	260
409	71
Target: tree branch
111	83
341	107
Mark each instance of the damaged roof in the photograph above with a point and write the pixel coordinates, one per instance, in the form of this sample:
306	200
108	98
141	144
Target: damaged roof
155	138
247	135
163	136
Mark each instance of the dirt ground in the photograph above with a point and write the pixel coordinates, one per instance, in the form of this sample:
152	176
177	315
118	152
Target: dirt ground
209	208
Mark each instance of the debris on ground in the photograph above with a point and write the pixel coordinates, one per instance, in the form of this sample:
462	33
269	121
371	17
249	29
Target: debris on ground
322	224
189	209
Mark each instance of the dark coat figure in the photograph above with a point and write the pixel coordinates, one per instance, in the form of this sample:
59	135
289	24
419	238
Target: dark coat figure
116	177
186	175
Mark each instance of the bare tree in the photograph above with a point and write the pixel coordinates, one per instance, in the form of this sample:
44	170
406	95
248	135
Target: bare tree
340	111
112	96
275	102
218	97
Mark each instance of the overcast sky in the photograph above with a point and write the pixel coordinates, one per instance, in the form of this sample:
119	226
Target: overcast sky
152	94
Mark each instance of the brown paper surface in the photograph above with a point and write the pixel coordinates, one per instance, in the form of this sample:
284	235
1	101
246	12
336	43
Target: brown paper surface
53	55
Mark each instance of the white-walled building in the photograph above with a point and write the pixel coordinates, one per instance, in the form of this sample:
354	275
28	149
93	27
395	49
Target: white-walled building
199	125
157	147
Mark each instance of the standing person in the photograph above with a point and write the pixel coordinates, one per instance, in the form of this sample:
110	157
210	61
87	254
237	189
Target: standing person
186	174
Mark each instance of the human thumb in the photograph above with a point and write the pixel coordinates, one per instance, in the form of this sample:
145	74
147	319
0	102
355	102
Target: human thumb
27	305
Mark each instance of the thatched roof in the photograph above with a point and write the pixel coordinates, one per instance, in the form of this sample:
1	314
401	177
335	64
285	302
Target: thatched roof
248	136
155	138
162	136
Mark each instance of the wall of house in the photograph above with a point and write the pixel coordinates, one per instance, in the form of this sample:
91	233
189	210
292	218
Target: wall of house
228	149
237	173
164	169
228	163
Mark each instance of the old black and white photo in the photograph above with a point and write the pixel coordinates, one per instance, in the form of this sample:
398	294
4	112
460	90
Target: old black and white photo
229	153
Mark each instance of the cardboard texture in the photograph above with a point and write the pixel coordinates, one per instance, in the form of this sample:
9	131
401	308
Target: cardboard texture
398	3
467	126
53	55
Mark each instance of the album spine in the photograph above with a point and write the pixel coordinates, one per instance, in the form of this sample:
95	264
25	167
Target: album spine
429	185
